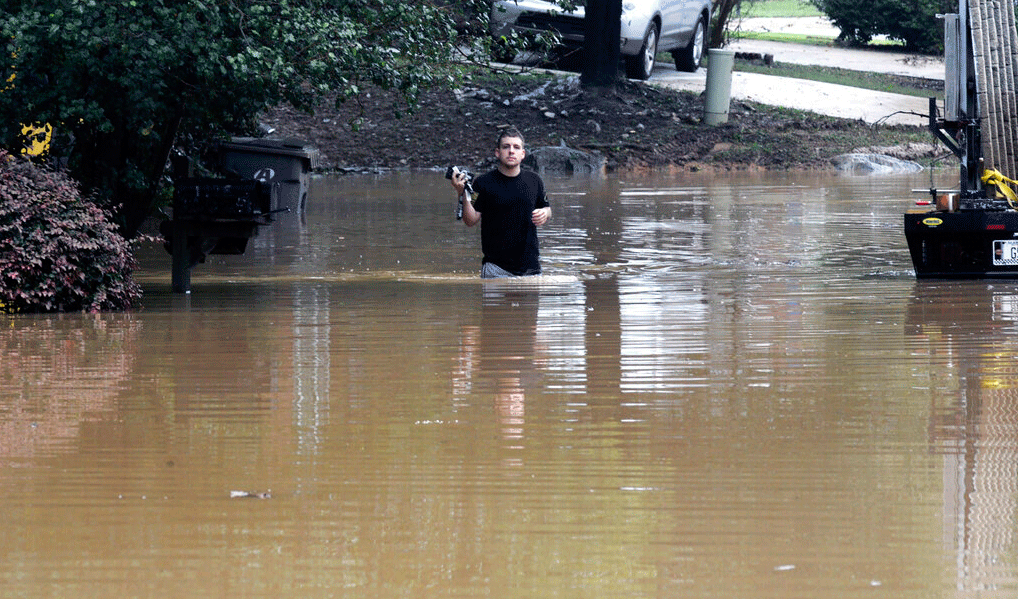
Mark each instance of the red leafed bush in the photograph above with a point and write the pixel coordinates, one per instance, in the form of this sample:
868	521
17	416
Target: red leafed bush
59	252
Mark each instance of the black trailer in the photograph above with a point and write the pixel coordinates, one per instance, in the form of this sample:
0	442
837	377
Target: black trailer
972	231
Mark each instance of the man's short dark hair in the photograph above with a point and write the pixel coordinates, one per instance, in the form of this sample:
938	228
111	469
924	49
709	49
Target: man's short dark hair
508	131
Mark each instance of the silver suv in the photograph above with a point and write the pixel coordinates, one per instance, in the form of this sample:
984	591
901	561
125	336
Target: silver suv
648	27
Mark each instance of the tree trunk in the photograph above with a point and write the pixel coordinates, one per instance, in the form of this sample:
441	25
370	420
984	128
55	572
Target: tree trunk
722	12
141	200
602	28
124	172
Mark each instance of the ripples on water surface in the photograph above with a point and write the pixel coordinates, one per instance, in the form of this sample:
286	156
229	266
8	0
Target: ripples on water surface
720	389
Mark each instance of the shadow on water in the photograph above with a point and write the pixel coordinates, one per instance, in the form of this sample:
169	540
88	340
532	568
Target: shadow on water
721	387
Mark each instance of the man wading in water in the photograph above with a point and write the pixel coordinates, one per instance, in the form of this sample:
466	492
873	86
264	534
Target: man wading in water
513	203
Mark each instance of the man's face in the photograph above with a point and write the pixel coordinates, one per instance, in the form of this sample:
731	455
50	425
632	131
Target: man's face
510	151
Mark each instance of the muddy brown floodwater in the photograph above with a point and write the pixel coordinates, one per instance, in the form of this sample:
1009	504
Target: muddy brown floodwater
722	387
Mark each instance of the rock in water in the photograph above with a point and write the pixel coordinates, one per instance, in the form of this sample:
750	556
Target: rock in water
874	164
563	159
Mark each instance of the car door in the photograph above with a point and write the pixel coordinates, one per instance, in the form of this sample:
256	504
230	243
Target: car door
678	17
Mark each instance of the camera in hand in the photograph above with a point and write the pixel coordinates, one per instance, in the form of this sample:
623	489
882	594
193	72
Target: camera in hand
468	176
468	179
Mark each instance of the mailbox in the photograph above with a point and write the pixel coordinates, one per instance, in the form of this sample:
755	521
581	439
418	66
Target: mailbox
287	162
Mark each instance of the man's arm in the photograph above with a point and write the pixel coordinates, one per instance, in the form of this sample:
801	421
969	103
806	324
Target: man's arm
541	215
470	216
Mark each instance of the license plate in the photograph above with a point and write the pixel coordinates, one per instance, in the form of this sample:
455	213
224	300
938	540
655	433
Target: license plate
1005	252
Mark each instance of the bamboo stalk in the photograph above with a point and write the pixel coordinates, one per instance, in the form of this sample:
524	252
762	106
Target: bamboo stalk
995	53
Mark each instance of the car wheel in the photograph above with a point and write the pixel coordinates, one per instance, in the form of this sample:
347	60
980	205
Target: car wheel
642	65
689	58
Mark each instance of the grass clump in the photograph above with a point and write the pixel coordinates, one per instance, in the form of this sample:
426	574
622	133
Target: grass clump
895	84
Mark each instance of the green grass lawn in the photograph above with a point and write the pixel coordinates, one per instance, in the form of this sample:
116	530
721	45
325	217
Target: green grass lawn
787	8
780	8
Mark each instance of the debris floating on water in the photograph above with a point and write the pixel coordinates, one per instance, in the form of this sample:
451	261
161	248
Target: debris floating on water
250	494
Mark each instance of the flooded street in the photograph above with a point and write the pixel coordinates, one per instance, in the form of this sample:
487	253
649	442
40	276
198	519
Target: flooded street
723	387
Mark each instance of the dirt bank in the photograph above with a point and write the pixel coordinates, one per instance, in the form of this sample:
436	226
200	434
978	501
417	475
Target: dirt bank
635	126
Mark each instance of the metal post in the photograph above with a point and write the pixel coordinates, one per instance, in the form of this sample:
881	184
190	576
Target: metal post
181	277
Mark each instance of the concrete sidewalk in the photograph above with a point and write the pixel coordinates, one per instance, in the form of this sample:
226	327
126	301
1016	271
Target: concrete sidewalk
822	98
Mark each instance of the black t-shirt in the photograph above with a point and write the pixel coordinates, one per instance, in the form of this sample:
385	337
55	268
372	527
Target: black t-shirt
508	237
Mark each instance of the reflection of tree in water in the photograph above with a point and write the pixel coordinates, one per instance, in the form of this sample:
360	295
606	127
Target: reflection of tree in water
57	373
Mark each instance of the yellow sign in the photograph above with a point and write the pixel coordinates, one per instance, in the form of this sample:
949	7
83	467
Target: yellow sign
932	221
37	139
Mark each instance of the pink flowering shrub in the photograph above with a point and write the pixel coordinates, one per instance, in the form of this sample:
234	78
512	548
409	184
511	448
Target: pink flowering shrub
58	251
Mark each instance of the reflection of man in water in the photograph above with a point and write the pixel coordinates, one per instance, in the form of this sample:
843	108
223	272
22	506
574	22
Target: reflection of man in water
514	204
502	351
508	339
511	403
